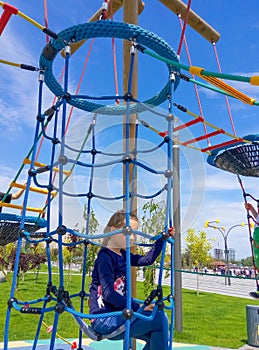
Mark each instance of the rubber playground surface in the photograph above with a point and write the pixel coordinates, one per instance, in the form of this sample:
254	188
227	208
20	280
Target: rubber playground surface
91	345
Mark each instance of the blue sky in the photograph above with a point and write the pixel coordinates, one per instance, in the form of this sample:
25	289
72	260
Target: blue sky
206	193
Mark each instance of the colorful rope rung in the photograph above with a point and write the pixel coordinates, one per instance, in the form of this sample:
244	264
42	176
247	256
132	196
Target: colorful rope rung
9	10
15	206
33	189
203	137
223	144
186	125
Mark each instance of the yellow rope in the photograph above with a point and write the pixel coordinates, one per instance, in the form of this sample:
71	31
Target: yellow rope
29	19
215	127
15	206
11	63
33	189
229	89
224	86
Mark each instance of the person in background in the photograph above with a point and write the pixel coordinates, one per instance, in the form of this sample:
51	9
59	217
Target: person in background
11	196
255	243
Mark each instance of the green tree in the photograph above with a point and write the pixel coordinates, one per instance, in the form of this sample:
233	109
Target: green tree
153	218
153	221
92	249
75	253
197	249
248	261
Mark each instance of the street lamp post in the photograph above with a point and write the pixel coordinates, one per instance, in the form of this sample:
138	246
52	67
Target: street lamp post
224	234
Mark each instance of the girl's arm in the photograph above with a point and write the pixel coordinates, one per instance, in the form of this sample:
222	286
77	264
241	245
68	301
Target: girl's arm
150	257
250	207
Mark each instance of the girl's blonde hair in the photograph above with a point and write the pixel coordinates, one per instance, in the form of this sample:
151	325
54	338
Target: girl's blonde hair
117	220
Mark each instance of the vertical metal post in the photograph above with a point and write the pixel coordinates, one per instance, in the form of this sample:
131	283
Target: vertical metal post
177	240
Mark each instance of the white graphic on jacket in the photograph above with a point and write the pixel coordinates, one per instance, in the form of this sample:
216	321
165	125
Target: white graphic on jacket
119	287
100	297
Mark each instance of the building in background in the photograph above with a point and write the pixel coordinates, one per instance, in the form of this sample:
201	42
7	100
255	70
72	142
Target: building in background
219	254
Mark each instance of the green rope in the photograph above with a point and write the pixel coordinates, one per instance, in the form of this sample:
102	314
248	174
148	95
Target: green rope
204	72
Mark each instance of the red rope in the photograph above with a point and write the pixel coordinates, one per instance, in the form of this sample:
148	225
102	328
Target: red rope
184	27
226	97
46	18
80	80
115	71
249	230
195	86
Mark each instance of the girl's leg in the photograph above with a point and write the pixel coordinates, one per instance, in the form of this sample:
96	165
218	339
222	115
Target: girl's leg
154	332
108	324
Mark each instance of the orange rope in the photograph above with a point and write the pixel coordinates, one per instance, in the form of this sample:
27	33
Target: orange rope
226	97
195	86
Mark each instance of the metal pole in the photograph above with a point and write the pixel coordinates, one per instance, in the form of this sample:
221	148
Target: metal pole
226	256
177	239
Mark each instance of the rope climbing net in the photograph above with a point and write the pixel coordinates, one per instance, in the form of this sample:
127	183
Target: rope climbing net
57	300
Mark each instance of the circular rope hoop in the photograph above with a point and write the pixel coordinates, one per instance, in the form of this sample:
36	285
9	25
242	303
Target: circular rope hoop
243	159
106	29
10	226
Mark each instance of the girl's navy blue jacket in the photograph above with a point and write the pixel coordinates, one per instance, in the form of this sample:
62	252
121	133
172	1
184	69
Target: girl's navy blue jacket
108	287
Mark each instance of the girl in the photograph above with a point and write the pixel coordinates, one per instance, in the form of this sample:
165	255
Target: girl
108	287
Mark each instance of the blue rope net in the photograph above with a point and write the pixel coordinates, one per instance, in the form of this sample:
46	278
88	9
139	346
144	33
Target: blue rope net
56	299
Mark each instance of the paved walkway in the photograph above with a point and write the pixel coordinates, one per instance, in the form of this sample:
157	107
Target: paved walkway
233	286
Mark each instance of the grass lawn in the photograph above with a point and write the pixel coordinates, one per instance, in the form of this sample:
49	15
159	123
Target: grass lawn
208	319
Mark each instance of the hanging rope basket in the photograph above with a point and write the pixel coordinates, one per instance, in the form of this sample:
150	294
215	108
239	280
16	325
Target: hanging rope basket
10	226
243	159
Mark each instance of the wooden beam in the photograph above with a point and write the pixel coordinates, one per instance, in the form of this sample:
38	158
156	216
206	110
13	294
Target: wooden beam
130	15
113	7
194	21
